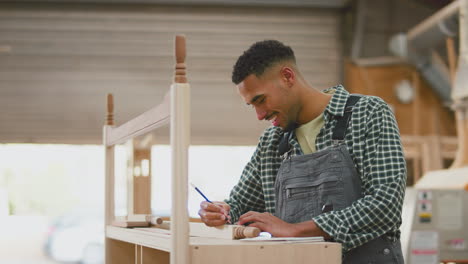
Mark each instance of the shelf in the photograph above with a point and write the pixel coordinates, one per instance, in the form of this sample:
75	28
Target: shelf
157	240
203	250
160	239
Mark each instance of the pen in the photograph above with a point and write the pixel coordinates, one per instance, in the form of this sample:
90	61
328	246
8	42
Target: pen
206	198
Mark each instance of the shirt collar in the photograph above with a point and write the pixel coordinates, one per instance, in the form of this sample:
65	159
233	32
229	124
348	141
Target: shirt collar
337	104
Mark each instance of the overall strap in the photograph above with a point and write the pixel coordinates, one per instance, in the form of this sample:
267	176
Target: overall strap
284	145
340	128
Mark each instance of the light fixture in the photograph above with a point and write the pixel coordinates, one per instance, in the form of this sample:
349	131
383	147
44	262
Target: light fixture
404	91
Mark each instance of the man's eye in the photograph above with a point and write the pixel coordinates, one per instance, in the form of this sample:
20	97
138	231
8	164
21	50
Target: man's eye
261	100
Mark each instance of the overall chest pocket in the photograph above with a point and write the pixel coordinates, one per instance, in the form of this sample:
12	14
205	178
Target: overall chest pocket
304	199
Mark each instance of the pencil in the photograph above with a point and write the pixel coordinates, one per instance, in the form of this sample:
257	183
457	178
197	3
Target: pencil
198	190
206	198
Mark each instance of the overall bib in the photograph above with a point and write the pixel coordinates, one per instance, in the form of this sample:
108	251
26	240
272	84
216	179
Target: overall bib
316	183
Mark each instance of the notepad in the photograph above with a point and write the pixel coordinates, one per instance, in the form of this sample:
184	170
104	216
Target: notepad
284	239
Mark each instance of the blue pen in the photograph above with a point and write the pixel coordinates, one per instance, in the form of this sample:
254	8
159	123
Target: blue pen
206	198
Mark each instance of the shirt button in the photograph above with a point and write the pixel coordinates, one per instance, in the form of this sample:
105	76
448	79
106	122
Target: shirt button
386	251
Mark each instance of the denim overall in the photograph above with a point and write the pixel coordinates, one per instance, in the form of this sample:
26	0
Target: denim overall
316	183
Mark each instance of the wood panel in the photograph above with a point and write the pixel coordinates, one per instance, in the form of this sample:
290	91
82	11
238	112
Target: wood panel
64	58
430	116
248	254
122	252
154	256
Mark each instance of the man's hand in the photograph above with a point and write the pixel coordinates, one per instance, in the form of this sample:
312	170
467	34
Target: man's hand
214	214
279	228
268	223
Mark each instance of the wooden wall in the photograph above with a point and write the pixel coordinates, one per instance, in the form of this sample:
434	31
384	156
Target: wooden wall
64	58
425	115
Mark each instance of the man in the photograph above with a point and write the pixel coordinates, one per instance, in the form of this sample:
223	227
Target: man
331	165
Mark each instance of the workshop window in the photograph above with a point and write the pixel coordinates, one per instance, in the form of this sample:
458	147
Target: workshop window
213	169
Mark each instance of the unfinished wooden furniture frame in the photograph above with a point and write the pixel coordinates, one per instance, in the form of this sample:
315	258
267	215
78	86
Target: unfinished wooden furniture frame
170	242
176	109
428	152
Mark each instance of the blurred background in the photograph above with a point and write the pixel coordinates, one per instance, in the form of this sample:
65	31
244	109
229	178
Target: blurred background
59	59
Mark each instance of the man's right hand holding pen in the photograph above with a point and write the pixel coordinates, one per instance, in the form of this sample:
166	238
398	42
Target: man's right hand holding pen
215	213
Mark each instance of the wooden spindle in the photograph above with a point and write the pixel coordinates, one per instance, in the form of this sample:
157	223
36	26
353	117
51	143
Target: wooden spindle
110	110
246	232
180	67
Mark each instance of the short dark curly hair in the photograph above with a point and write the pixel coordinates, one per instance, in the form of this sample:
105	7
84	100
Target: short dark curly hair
259	57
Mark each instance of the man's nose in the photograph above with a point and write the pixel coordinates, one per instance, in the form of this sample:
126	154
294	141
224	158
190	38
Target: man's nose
261	114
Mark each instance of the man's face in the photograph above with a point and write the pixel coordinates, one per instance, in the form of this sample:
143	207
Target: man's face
272	99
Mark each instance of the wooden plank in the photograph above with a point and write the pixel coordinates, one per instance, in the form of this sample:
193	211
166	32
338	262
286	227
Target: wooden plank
201	230
130	179
461	157
119	252
157	229
224	231
144	218
429	22
321	252
127	223
109	181
155	240
452	58
180	141
416	107
154	256
379	61
150	120
142	182
267	253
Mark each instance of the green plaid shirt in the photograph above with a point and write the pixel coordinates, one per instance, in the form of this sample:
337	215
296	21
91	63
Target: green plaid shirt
373	140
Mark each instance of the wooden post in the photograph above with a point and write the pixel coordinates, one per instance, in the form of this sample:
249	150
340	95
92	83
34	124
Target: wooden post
460	94
130	177
109	178
461	115
110	110
180	67
417	103
138	180
142	180
180	141
452	61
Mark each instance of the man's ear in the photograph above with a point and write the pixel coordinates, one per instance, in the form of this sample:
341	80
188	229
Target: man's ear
288	76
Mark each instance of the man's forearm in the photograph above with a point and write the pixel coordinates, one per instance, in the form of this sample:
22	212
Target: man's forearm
309	228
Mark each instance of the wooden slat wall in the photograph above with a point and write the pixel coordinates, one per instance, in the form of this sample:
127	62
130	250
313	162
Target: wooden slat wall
64	58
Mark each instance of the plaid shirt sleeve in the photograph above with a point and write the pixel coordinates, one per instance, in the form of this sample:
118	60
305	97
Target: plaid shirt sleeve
247	195
379	160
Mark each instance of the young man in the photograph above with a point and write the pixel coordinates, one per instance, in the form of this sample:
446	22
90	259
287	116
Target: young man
331	165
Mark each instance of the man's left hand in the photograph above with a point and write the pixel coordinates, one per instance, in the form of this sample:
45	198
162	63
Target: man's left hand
279	228
269	223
